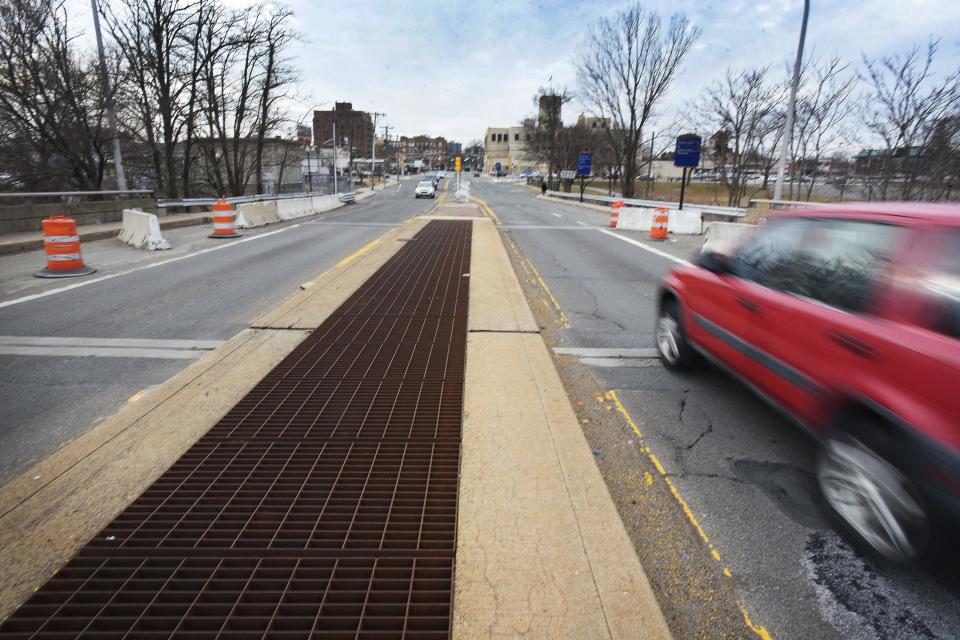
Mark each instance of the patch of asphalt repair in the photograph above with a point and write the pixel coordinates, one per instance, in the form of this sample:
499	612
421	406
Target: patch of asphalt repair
697	599
871	601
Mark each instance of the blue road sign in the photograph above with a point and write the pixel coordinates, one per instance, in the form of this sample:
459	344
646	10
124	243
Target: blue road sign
584	162
687	152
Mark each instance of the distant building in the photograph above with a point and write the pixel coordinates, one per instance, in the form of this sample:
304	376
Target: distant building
422	151
592	122
355	127
550	108
508	146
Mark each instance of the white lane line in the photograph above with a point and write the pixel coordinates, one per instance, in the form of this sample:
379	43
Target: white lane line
102	352
556	215
613	352
84	283
149	343
662	254
582	224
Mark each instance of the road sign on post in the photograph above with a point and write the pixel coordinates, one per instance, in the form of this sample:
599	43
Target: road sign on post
584	163
686	155
687	152
456	164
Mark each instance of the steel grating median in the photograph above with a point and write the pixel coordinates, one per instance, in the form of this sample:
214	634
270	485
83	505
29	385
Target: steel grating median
322	505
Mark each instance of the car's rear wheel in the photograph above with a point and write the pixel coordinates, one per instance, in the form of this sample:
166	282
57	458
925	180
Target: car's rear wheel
872	498
672	346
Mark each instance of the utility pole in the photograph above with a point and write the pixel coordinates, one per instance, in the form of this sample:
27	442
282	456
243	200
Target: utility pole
108	99
373	150
335	190
386	150
653	134
787	137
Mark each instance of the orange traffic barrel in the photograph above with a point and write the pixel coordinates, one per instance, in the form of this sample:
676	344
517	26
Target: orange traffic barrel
62	244
615	213
661	218
223	220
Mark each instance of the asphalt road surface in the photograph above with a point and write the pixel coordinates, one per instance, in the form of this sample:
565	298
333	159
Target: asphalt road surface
744	471
69	359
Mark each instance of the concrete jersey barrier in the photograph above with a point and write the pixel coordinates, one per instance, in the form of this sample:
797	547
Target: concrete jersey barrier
725	237
142	230
258	214
687	222
293	208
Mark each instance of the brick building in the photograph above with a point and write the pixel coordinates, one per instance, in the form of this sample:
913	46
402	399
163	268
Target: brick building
355	125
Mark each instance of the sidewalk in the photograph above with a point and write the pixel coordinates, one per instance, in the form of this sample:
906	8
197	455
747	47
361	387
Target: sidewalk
33	240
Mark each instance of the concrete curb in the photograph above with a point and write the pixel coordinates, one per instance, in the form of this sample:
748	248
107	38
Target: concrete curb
541	549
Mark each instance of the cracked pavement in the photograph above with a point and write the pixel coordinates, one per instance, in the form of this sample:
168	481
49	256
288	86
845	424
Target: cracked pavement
743	470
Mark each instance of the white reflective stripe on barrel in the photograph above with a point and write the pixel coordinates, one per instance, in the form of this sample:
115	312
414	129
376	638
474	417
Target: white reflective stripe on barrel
61	238
223	225
63	257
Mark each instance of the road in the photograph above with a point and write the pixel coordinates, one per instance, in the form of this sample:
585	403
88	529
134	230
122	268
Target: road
191	298
742	469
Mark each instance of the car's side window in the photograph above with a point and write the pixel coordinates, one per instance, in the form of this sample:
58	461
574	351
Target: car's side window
838	262
942	289
844	261
769	257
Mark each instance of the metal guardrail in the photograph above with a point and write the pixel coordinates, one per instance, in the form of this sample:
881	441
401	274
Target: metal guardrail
633	202
199	202
785	204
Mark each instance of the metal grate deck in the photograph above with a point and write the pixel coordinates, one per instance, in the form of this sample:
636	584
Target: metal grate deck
323	505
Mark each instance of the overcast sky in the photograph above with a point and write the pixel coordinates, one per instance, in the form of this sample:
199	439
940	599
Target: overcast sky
454	68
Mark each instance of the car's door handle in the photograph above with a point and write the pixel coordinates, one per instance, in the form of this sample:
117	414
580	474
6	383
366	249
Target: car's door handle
748	304
855	345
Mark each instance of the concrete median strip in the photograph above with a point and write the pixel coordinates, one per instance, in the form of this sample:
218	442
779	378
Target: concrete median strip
541	549
52	510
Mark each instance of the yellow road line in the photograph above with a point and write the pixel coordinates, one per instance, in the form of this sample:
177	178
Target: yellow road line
359	252
612	396
487	209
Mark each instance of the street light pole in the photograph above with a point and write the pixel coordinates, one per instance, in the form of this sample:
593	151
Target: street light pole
373	150
108	98
335	190
787	137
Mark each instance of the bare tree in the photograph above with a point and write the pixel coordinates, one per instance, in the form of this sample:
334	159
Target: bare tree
51	101
912	113
625	69
825	105
742	111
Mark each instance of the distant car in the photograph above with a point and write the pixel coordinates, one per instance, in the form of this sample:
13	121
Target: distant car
442	175
476	174
847	319
425	189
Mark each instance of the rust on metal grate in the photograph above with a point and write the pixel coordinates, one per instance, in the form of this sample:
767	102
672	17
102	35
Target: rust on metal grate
322	505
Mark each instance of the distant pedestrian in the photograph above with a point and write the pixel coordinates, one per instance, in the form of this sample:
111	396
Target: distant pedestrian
543	187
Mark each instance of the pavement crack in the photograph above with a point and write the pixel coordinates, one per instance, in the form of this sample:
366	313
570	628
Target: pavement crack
706	431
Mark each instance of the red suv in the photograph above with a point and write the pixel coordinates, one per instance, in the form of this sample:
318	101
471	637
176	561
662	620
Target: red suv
846	318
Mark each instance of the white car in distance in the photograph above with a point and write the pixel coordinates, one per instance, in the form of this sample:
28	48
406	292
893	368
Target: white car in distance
425	189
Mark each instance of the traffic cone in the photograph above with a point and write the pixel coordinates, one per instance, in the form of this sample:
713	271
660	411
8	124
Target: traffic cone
223	220
62	244
661	218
